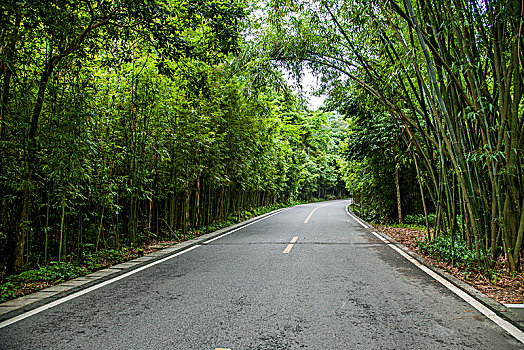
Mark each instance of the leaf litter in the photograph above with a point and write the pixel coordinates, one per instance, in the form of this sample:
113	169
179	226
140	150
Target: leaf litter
501	286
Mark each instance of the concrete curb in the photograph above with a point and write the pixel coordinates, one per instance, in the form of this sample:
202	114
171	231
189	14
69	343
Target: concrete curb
501	310
18	306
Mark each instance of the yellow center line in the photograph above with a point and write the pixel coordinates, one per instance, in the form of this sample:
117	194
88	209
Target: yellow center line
290	245
221	349
288	249
314	210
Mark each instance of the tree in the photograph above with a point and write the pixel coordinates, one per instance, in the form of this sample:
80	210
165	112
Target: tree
451	76
62	32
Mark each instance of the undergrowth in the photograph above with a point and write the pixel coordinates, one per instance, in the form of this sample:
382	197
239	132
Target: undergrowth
54	272
439	247
58	272
76	266
456	252
419	219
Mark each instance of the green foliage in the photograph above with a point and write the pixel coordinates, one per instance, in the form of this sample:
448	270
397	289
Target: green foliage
55	271
134	146
420	107
372	154
109	98
419	219
457	252
7	291
96	260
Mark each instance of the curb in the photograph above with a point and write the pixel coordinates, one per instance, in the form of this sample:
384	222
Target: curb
23	304
499	309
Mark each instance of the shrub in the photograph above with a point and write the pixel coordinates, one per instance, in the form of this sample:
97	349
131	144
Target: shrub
55	271
441	247
419	219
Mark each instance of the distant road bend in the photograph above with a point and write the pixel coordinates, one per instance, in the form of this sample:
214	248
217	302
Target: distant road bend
307	277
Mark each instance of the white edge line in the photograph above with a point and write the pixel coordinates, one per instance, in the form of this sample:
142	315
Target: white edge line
117	278
87	290
508	327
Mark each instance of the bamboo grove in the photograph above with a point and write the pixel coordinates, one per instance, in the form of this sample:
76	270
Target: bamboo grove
123	122
448	75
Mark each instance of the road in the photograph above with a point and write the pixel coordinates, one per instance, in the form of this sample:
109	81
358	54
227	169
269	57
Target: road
336	287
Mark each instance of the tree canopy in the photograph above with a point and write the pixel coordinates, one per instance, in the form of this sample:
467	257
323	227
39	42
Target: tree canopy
123	122
448	76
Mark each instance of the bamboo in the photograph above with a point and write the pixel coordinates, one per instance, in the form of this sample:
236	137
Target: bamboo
61	230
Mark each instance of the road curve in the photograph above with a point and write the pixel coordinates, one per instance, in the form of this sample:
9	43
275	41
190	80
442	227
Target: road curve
309	277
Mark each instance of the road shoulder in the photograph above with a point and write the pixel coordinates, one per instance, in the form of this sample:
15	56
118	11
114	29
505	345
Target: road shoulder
498	309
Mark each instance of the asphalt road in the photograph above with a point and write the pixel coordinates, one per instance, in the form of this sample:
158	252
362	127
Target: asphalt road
337	287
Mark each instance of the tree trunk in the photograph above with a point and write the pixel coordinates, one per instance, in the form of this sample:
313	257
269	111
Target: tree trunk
16	241
197	203
186	215
399	202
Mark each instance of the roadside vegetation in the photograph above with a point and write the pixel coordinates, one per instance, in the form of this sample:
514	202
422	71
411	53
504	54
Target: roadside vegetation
433	97
129	122
55	272
460	261
125	123
432	93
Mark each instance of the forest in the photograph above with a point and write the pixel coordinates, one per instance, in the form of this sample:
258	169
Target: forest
132	121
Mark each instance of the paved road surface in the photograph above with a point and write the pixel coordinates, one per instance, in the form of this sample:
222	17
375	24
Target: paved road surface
337	287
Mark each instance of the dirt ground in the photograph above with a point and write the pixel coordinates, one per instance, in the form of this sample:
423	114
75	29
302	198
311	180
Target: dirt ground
502	287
